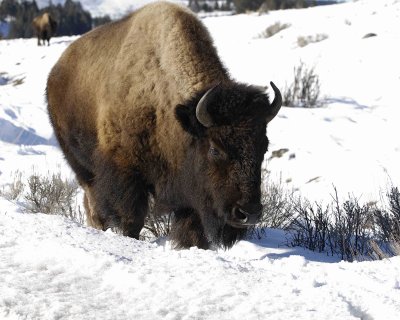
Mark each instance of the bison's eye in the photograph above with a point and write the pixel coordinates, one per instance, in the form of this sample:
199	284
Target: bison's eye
214	152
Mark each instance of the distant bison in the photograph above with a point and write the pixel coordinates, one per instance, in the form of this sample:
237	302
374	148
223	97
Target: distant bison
45	27
144	109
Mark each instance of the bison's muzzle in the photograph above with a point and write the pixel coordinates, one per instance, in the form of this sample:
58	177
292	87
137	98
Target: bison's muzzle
245	216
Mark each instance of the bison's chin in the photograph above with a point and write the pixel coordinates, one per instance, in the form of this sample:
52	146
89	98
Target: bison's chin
230	235
234	224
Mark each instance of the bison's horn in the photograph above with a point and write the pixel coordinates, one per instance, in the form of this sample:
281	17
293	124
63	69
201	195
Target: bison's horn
201	110
276	104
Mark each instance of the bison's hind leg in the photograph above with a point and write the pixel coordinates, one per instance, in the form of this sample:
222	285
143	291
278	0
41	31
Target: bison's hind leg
187	230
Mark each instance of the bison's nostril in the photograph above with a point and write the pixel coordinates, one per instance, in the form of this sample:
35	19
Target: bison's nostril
240	218
240	215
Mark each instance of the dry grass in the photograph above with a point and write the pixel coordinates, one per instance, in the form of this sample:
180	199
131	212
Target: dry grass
48	194
304	41
304	91
273	29
349	229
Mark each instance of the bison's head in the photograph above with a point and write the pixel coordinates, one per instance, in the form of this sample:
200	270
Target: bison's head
223	167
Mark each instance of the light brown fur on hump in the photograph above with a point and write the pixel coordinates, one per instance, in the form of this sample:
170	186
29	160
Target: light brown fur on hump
122	82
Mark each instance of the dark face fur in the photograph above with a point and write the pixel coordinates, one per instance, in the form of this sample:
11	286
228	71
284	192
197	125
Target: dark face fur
224	163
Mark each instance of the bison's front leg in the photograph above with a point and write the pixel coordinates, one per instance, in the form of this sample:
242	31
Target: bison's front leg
92	217
187	230
121	197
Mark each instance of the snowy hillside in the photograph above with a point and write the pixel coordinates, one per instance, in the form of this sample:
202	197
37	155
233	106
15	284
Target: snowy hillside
52	268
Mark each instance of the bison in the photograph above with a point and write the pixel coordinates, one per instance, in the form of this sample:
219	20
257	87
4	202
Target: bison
45	27
144	110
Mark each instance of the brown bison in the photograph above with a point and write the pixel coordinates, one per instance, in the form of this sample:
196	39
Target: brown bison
45	27
144	109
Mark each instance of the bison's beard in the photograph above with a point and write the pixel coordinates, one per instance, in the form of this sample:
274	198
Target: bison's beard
230	235
220	234
205	232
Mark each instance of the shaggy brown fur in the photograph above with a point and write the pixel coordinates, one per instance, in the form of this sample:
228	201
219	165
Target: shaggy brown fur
45	27
122	100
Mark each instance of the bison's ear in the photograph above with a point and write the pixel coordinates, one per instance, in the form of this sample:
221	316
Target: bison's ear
187	119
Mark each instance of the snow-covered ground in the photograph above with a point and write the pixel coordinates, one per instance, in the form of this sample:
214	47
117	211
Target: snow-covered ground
51	268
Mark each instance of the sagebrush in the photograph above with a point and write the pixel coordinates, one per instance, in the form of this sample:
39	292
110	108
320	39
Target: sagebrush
305	90
273	29
303	41
48	194
277	209
348	229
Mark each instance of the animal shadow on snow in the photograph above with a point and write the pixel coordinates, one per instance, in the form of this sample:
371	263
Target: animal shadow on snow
346	101
275	241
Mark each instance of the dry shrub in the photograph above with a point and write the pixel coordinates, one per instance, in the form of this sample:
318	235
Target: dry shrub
273	29
18	81
277	207
156	225
343	230
15	189
387	223
305	89
51	195
350	230
309	227
304	41
48	194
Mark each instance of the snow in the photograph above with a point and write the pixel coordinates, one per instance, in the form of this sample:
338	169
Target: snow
52	268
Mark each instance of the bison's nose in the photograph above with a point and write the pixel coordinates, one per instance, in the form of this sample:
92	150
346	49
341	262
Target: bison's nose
247	215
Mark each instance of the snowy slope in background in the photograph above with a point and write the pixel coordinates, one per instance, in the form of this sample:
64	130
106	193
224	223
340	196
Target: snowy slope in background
51	268
350	143
27	141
